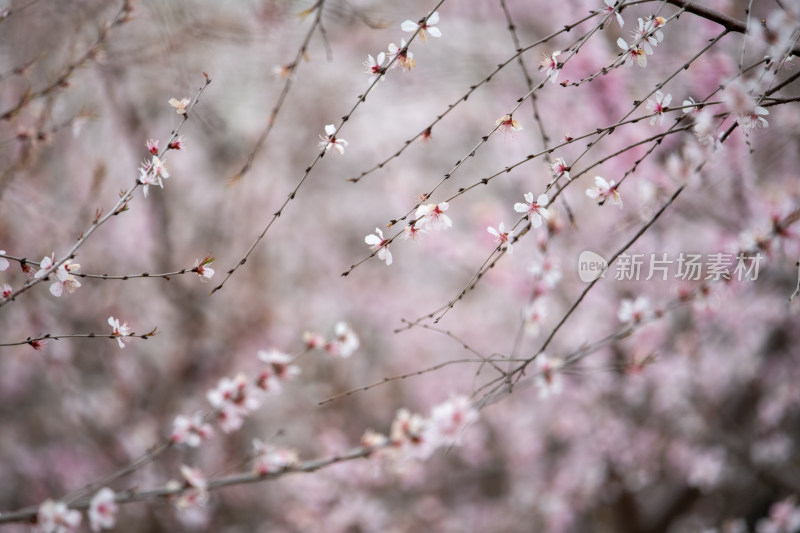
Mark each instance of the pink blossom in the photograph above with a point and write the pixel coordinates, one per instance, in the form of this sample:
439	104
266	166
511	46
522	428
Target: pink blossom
39	344
534	315
233	399
548	378
609	8
648	33
551	66
408	433
534	209
410	26
56	517
270	459
203	270
179	105
604	190
331	141
374	66
44	266
345	341
412	232
152	146
502	237
377	244
3	261
634	54
65	281
313	340
547	270
178	143
431	217
507	124
6	290
738	101
635	311
194	477
705	129
147	179
103	510
405	59
120	332
449	419
280	363
191	431
159	168
188	499
151	173
690	106
373	439
658	106
559	168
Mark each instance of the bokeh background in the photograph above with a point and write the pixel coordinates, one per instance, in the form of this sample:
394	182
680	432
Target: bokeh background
703	434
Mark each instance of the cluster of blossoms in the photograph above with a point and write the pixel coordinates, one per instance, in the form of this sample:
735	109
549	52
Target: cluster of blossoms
429	217
56	517
233	399
404	59
65	282
154	171
646	37
397	56
534	209
343	343
739	102
191	430
603	191
151	173
279	369
545	273
413	436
